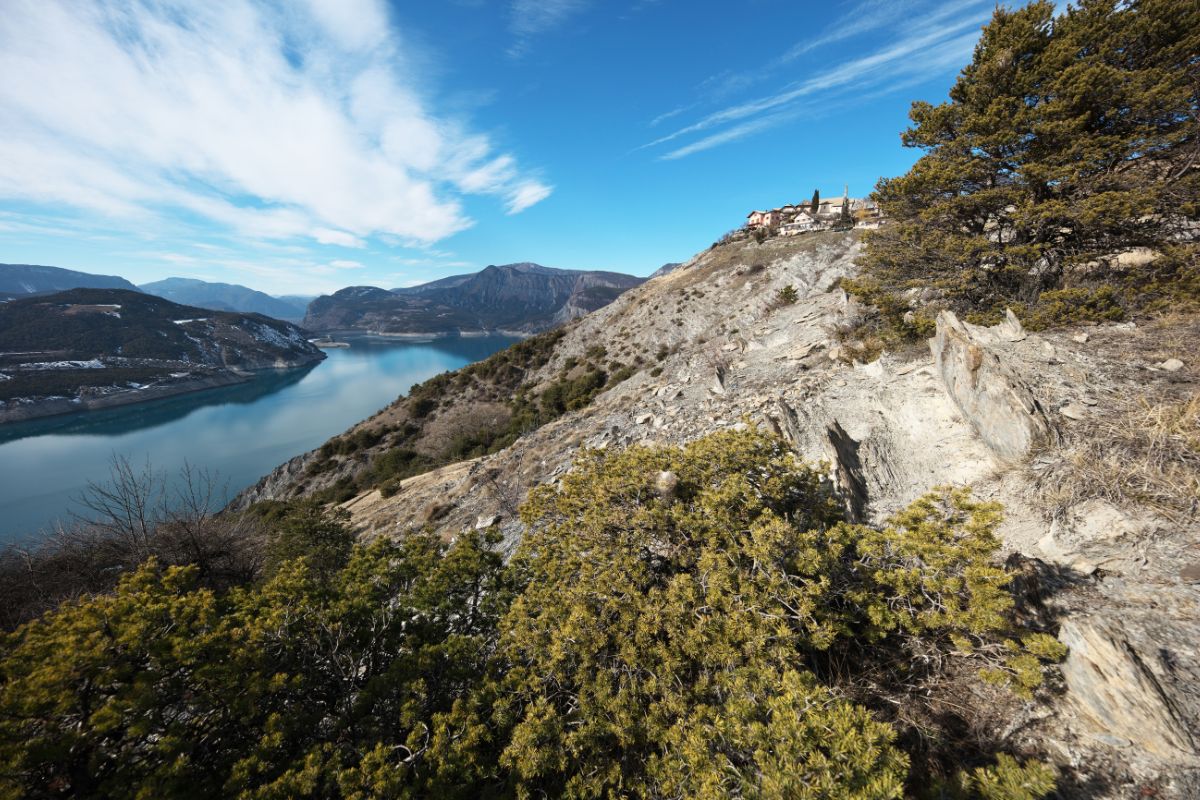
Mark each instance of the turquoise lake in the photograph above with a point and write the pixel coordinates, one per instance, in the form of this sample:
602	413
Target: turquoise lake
240	432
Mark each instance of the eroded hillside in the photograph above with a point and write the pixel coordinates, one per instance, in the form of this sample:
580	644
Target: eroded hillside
1088	437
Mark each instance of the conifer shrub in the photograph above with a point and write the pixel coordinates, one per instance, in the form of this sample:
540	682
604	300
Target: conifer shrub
718	631
681	643
308	686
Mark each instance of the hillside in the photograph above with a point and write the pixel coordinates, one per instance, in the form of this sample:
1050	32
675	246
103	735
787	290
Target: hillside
224	297
89	348
902	510
520	298
715	345
18	280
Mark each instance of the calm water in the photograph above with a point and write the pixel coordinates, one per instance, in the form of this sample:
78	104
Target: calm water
241	432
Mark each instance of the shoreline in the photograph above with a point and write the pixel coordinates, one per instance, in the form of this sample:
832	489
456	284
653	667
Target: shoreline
426	336
62	406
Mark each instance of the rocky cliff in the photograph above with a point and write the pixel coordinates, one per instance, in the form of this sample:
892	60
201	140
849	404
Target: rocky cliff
1089	437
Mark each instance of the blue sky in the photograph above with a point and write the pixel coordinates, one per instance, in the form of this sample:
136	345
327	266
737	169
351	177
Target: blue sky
299	147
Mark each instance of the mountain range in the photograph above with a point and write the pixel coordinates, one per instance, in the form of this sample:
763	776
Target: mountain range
520	298
523	298
227	297
19	280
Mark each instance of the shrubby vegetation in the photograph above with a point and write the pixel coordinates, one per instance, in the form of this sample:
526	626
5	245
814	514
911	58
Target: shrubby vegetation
68	382
134	516
498	379
1068	140
677	622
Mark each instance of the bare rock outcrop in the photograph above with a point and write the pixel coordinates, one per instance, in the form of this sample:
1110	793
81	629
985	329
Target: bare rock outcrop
1116	690
995	400
1097	534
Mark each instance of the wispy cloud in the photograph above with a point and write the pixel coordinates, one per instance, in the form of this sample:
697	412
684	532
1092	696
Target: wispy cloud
730	135
275	122
933	42
533	18
864	17
674	112
527	194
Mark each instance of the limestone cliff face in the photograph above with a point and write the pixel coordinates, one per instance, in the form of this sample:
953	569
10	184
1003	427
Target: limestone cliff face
1007	412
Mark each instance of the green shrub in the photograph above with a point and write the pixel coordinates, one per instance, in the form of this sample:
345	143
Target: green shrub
1008	779
301	687
672	643
421	407
719	634
307	530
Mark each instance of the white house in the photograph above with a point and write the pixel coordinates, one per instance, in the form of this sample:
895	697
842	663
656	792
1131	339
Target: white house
831	208
801	223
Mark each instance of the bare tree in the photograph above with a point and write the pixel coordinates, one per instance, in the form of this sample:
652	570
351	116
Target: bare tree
126	507
138	514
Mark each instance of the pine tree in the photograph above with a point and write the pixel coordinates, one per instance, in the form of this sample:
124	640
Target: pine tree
1065	141
816	202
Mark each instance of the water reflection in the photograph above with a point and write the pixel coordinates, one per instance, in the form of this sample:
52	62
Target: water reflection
151	414
242	432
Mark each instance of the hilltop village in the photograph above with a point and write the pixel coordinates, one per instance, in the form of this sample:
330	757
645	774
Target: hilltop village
816	215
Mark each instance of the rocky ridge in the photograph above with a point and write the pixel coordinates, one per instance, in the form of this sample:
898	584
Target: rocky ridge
1013	414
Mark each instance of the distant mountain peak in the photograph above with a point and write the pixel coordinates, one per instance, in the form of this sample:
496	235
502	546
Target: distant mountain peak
522	296
224	297
22	280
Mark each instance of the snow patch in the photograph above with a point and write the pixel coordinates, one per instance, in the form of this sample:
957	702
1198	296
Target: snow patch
94	363
269	335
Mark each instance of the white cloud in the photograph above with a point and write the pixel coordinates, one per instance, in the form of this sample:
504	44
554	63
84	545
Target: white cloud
355	24
343	263
729	135
527	194
339	238
275	122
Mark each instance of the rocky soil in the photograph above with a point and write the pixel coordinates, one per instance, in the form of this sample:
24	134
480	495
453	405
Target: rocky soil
1088	437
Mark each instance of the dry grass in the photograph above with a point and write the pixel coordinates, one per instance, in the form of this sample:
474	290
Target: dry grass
1146	452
